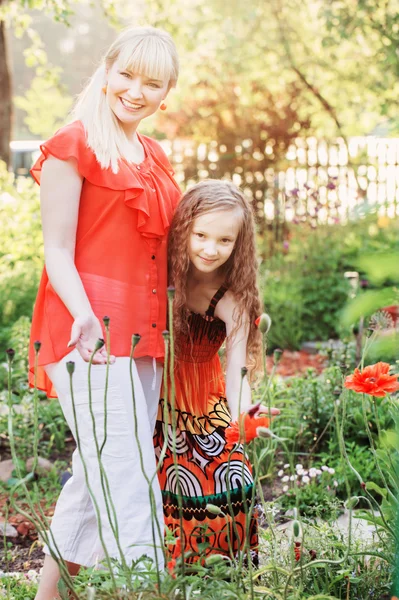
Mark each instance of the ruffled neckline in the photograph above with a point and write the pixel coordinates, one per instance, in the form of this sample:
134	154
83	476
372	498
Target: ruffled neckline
155	209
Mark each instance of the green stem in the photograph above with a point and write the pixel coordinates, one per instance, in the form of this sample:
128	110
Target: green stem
174	426
109	505
92	495
147	479
108	344
374	453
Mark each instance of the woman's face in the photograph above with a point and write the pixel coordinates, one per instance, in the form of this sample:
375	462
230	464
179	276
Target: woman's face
212	239
132	96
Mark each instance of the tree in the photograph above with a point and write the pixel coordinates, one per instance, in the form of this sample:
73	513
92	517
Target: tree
13	14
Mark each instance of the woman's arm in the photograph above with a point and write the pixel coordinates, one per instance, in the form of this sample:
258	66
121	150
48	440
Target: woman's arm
236	355
60	190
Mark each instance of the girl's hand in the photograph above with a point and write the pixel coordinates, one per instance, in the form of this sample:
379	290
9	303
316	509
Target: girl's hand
85	332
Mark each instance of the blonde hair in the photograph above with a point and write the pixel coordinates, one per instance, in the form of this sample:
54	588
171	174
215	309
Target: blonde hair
240	271
145	50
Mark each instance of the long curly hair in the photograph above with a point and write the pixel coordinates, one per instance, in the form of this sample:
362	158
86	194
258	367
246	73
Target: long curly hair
240	271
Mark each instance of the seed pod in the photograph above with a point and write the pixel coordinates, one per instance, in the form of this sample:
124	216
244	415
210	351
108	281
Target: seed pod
136	337
244	371
277	354
10	354
70	367
37	345
171	292
106	321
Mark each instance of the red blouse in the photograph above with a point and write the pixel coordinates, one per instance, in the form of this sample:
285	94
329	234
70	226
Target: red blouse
121	252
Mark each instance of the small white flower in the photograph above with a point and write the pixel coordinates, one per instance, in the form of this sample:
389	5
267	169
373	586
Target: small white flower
331	471
301	472
292	478
324	468
285	488
280	473
285	479
318	472
305	479
312	472
304	472
299	467
286	466
335	483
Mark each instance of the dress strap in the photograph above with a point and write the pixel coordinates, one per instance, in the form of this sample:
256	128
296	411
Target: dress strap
219	294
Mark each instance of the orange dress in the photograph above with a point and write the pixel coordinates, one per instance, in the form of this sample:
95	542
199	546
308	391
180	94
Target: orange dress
120	250
209	470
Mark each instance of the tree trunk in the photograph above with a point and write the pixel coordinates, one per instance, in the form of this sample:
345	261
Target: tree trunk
5	97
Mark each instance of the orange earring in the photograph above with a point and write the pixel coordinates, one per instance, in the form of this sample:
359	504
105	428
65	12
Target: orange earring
163	106
104	88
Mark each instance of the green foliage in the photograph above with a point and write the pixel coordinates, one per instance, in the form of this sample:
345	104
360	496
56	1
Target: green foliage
21	250
46	104
17	588
304	287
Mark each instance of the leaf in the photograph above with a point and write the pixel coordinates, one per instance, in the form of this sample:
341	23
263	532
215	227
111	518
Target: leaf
62	589
370	485
380	267
366	304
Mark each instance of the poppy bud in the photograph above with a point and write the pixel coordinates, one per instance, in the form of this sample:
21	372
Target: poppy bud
214	559
37	345
166	335
171	292
296	528
70	367
244	371
99	344
263	323
263	432
277	354
10	354
136	337
106	321
214	510
352	502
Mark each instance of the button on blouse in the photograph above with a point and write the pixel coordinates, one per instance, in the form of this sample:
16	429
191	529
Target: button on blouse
122	228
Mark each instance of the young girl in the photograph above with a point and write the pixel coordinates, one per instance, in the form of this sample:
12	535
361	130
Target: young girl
213	267
107	199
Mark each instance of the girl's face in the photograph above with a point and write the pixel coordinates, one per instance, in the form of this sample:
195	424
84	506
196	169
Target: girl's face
212	239
132	96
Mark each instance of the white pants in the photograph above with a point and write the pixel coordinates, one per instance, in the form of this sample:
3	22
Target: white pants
74	525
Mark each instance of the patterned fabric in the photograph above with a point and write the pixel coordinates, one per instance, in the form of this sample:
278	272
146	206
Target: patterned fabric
209	471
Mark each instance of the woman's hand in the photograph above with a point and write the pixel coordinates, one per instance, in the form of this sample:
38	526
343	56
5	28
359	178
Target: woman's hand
85	332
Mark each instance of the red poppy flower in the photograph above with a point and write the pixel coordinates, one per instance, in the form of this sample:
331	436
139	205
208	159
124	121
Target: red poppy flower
373	380
246	429
297	551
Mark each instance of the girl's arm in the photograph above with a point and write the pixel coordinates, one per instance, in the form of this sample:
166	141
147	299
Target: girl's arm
236	355
60	190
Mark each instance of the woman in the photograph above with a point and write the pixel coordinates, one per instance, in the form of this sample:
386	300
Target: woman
107	199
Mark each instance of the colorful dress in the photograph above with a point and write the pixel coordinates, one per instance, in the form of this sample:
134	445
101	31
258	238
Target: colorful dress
209	471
